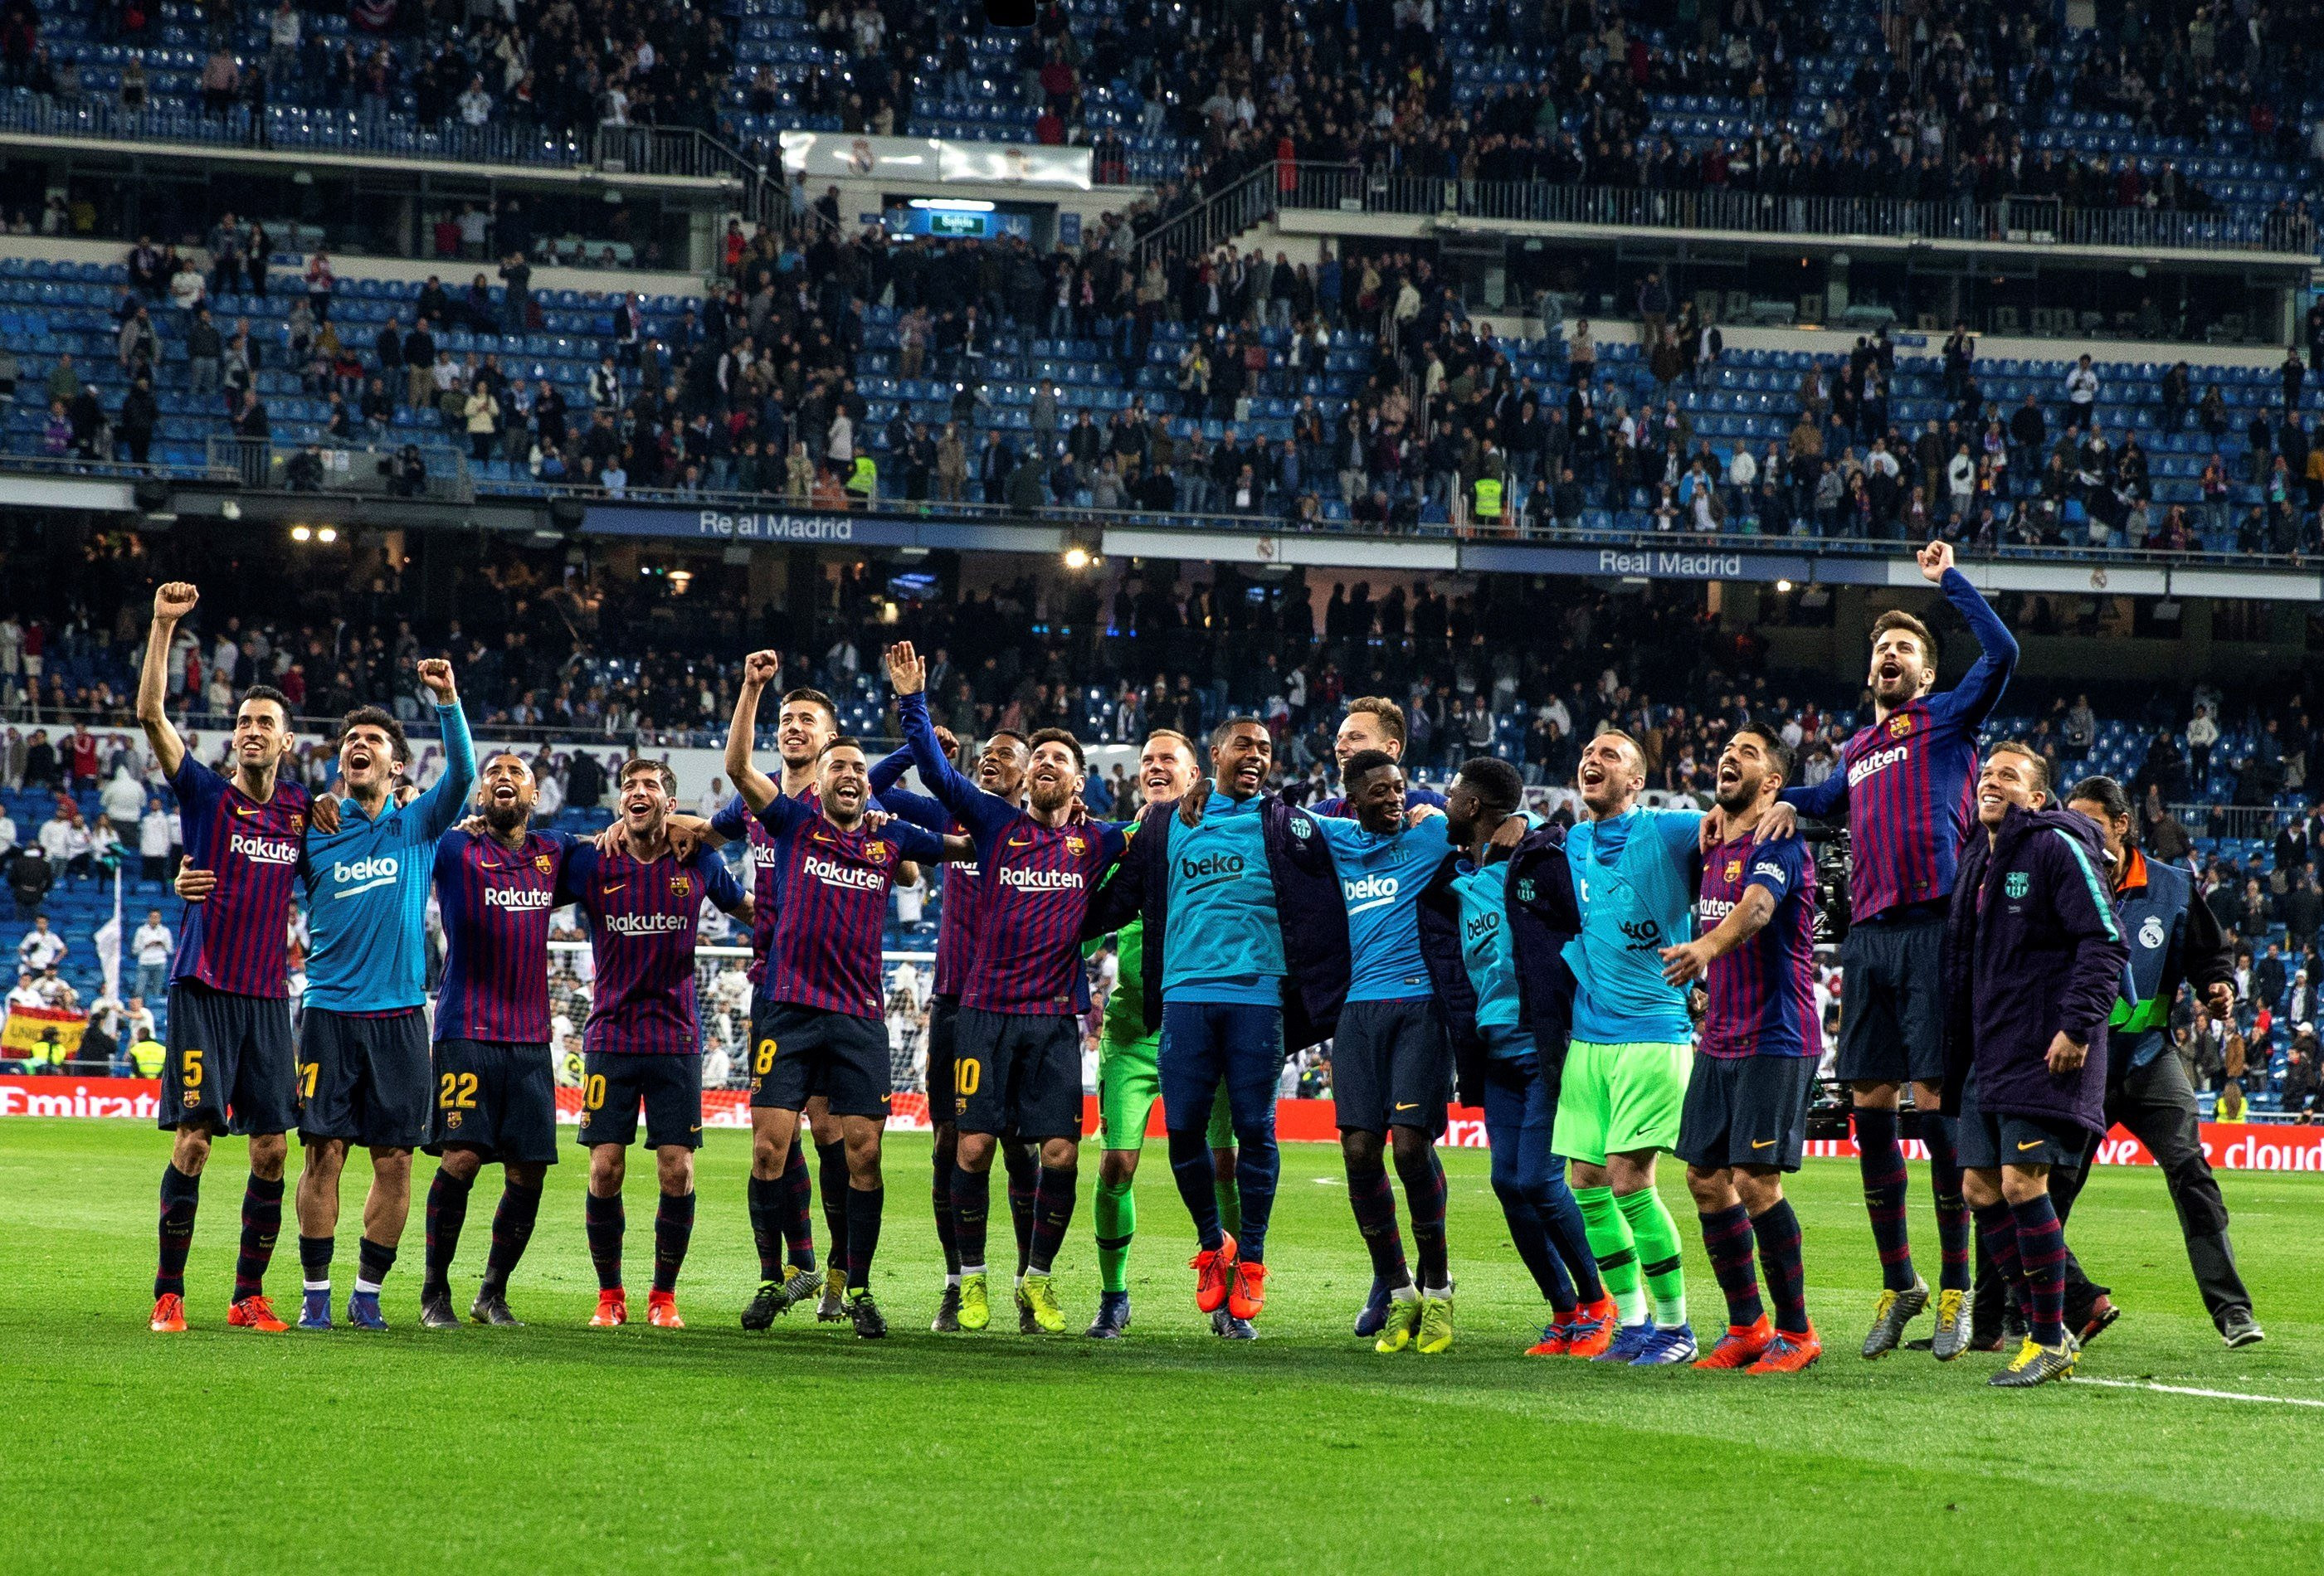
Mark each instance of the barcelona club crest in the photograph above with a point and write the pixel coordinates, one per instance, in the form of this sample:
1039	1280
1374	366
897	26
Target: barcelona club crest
542	863
1733	870
1076	845
1899	725
2017	883
876	852
680	886
298	822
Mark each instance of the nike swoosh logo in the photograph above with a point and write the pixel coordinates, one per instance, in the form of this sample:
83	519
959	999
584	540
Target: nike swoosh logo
1763	1143
2034	1144
245	813
1406	1104
1020	843
696	1128
609	891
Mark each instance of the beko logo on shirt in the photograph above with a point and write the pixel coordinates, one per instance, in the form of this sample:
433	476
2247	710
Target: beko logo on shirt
1041	881
1480	928
365	875
832	873
1875	762
636	925
1369	893
264	850
1210	864
514	897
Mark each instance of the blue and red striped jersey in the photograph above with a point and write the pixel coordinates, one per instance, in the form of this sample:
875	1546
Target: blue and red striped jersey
1034	884
238	939
831	902
734	823
1908	783
1762	994
642	925
496	903
957	923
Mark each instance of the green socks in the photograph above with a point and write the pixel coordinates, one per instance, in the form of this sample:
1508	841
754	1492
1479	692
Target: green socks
1656	1236
1117	1222
1616	1250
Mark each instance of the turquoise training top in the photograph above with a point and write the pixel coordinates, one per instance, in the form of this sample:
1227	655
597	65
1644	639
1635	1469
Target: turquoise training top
1382	878
1225	941
1631	877
367	885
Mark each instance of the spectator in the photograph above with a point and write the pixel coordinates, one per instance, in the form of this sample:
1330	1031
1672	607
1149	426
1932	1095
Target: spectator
151	946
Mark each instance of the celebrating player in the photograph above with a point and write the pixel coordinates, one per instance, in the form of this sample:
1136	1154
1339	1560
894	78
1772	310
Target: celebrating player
229	1065
1906	781
824	1031
1391	1063
1626	1071
1016	1055
1001	768
496	881
2172	935
1245	933
364	1066
2033	963
642	1044
781	1199
1745	1123
1128	1080
1491	932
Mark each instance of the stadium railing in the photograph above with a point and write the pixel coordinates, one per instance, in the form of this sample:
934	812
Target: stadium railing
1354	189
260	465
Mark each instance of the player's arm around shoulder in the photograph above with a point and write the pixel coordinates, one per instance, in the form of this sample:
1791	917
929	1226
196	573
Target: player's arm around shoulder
719	880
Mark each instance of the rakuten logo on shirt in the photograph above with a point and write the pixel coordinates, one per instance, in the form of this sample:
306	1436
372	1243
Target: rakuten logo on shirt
637	926
1876	761
1042	881
852	878
365	875
264	850
514	899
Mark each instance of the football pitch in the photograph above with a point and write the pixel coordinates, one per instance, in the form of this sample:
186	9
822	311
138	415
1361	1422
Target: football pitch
560	1448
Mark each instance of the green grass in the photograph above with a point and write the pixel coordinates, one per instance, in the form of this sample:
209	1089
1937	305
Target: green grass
557	1447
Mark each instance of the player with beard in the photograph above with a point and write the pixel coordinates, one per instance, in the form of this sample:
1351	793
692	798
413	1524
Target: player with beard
2033	961
825	1031
365	1073
1017	1059
1129	1081
1746	1118
229	1066
999	772
780	1214
1907	783
1373	722
497	884
642	1044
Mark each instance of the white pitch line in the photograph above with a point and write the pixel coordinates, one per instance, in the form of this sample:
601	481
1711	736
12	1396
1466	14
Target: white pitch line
2206	1395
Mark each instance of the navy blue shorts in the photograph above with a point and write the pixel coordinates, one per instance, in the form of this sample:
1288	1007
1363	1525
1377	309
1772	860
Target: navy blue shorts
1747	1111
229	1067
1018	1073
496	1097
800	1051
1391	1066
367	1081
944	1044
1209	1044
1892	1013
614	1083
1987	1141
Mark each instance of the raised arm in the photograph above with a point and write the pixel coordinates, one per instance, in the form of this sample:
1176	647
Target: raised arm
1969	702
441	805
757	788
982	813
171	603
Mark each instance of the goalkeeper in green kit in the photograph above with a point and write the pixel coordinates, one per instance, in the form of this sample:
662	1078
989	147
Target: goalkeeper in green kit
1127	1083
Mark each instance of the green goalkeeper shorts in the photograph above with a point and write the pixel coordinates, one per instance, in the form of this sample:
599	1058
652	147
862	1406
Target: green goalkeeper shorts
1128	1085
1620	1099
